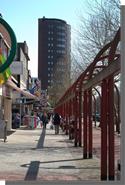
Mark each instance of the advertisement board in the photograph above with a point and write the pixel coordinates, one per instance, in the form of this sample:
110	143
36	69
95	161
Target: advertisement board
17	68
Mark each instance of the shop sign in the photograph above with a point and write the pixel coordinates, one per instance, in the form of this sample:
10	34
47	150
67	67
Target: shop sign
17	68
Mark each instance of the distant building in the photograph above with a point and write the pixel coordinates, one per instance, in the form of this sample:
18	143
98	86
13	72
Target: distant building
54	47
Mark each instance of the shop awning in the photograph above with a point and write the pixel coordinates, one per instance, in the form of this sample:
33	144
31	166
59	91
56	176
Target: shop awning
12	85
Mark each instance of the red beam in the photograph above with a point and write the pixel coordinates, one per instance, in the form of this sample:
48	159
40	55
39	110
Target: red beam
76	118
66	118
90	122
80	118
104	131
85	126
111	172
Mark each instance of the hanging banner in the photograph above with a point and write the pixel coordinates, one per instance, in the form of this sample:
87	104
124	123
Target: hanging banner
5	74
36	89
6	55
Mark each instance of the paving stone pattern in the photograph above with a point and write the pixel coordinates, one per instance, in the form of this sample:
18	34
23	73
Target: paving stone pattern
38	154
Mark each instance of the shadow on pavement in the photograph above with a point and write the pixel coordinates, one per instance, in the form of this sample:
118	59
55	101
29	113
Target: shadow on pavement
41	139
64	160
34	166
53	148
72	167
10	132
66	141
53	134
32	170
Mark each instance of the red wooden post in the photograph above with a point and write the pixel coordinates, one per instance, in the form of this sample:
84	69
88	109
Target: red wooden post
70	116
118	111
94	108
90	122
85	126
70	120
69	113
104	131
63	110
70	110
73	116
111	172
76	117
66	118
80	118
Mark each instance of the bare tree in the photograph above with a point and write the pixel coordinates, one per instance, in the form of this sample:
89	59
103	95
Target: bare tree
95	30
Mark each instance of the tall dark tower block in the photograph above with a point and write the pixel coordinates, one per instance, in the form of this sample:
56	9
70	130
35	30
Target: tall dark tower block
54	48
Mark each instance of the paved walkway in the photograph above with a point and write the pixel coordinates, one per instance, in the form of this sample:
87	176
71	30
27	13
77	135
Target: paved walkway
39	154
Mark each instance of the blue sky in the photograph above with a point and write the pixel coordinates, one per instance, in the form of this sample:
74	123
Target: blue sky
23	16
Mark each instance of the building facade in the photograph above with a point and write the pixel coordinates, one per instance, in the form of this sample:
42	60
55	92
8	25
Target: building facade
19	67
13	88
54	47
22	79
5	91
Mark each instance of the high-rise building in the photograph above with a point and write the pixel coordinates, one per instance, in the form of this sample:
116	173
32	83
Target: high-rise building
54	47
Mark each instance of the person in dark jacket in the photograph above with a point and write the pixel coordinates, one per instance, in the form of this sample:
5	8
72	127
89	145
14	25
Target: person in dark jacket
56	122
44	119
17	120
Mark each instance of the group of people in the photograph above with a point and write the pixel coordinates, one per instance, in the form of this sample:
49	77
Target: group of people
44	118
54	119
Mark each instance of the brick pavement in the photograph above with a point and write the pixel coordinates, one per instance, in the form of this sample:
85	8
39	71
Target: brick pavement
42	155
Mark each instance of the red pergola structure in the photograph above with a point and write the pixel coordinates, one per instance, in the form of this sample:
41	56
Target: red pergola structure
76	105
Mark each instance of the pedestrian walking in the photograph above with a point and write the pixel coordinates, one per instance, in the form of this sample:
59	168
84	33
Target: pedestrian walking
17	120
44	119
56	122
